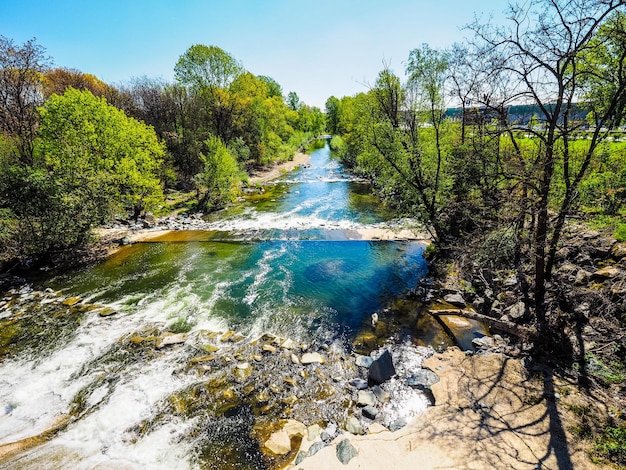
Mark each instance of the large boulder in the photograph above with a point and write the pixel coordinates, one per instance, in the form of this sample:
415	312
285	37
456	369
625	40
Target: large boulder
382	369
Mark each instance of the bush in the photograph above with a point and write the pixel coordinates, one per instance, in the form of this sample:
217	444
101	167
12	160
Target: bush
498	248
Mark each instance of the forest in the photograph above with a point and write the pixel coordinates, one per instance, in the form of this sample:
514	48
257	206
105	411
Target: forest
76	152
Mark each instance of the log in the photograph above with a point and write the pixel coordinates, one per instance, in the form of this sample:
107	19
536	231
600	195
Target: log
523	332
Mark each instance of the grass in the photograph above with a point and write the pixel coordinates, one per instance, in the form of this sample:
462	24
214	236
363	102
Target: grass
611	446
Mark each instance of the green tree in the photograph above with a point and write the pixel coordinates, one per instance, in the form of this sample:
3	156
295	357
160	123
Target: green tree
220	178
202	67
85	142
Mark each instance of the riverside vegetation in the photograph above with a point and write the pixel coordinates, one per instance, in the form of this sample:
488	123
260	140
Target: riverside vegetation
525	208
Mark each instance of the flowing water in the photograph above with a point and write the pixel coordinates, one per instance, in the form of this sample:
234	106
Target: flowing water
88	362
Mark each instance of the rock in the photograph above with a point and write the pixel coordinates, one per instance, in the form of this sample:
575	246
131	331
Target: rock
288	344
279	443
301	456
619	250
268	348
376	428
169	339
354	426
359	384
496	309
582	276
294	428
382	368
71	301
364	361
607	272
423	379
365	398
201	359
484	342
329	433
315	448
313	431
381	394
510	281
124	241
312	358
455	299
107	312
374	319
397	424
369	412
346	451
517	311
226	336
295	359
257	357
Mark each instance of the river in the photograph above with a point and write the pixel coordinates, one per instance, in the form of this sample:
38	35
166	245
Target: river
295	268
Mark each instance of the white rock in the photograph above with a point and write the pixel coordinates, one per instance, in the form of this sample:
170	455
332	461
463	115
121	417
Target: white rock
311	358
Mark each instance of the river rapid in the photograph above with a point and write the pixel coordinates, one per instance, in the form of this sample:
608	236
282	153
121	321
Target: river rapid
187	352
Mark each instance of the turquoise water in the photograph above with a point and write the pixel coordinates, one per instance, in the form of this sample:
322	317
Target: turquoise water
289	269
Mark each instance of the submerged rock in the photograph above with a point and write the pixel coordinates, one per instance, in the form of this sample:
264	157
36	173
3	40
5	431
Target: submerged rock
397	424
170	339
381	395
382	369
359	384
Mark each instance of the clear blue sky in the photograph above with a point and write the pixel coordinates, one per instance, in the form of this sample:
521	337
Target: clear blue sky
316	48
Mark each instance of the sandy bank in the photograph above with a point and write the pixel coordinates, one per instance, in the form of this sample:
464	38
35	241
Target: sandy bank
488	414
263	175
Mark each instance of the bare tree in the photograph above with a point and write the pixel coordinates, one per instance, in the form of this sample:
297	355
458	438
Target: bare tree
547	55
21	69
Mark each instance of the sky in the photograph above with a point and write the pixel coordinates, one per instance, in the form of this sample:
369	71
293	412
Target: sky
317	48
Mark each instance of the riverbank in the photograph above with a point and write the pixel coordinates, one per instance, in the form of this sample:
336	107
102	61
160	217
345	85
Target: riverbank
262	175
489	412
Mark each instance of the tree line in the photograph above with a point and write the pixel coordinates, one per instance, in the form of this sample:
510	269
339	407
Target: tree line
503	187
76	152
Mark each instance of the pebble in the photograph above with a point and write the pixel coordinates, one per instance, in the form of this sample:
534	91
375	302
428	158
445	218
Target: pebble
370	412
359	384
366	398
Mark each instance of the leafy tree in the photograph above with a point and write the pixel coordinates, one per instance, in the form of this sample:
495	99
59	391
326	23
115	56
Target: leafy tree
57	80
88	143
207	67
273	87
293	101
220	177
546	57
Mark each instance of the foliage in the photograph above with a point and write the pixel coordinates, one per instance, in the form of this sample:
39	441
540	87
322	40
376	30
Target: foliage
220	176
620	233
202	67
611	445
87	142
